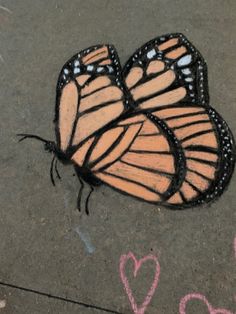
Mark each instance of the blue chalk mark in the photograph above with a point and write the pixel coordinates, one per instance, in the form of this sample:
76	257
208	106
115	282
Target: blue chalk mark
86	239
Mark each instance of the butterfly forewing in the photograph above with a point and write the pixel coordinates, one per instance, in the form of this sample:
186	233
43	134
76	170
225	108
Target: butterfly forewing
165	71
89	95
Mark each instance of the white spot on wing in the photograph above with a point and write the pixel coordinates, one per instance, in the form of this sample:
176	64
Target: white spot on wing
186	71
151	54
90	67
189	79
184	60
110	69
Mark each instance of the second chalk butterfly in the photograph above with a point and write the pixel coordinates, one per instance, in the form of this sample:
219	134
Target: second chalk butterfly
146	129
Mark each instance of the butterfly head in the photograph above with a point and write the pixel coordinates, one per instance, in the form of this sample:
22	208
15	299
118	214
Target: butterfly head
50	147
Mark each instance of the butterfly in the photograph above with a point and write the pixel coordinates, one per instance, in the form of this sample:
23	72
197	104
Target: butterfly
146	129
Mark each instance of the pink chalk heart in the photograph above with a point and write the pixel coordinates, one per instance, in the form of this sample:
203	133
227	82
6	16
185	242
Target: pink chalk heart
191	296
137	264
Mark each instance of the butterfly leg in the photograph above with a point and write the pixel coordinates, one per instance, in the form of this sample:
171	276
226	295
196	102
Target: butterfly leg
87	200
79	197
51	170
56	169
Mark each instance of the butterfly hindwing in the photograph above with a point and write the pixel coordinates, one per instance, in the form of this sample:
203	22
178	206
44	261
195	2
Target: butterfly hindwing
134	157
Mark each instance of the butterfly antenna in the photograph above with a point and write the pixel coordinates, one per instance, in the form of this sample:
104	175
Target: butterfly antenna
87	200
51	171
56	169
24	136
80	194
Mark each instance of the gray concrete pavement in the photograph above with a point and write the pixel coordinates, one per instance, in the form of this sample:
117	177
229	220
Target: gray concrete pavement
40	248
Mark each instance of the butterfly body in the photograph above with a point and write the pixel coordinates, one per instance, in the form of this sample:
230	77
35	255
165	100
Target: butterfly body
146	130
86	174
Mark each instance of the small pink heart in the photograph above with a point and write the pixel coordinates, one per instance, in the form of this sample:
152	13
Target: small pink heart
191	296
137	265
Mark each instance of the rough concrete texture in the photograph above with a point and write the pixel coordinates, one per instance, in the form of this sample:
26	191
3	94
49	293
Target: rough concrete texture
39	247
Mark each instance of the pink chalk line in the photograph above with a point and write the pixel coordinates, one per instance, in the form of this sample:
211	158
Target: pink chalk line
137	264
192	296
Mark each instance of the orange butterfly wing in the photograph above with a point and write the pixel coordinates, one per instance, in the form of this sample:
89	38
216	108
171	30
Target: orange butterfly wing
132	157
153	135
89	96
167	80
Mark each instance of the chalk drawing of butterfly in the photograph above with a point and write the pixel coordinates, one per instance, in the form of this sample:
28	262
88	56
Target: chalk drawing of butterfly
146	129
